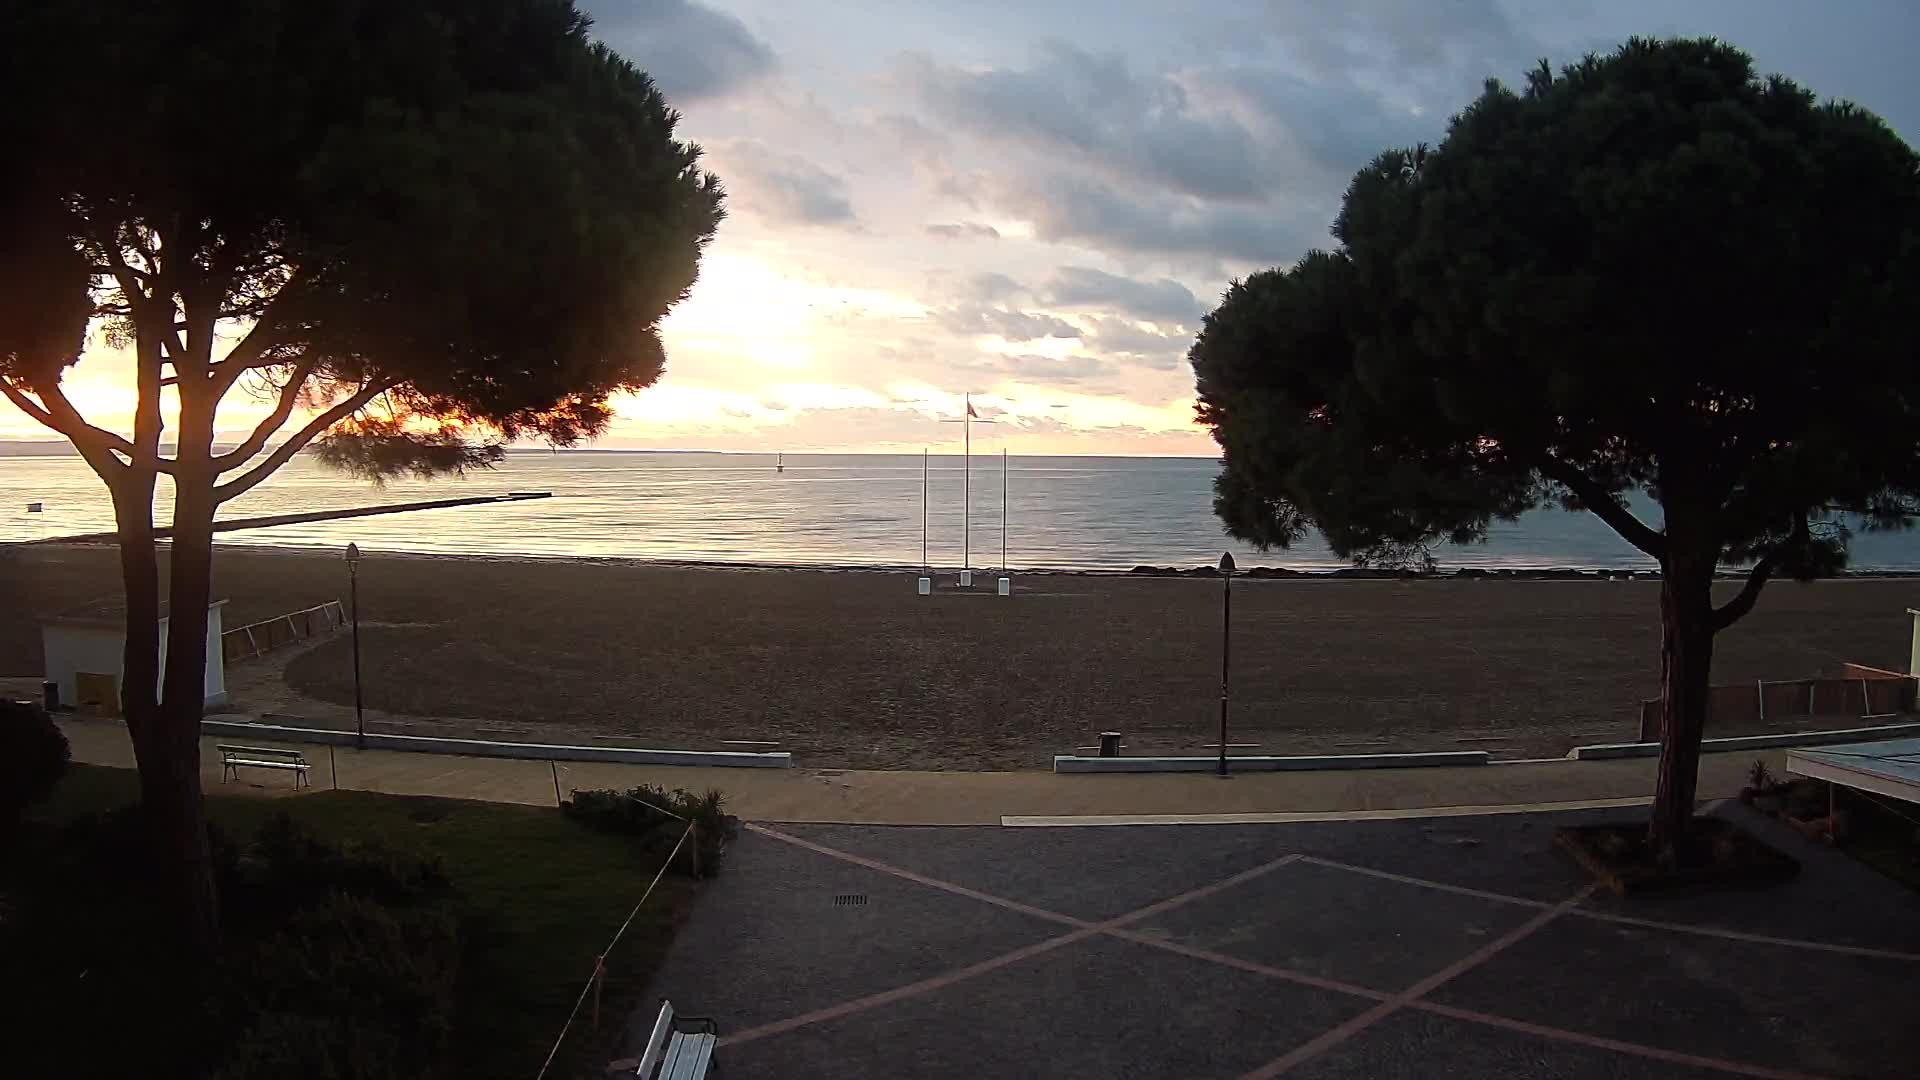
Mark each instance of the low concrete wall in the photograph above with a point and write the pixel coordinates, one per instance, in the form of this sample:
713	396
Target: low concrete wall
484	748
1604	751
1069	763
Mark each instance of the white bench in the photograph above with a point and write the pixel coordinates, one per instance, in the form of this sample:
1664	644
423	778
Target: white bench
672	1053
263	757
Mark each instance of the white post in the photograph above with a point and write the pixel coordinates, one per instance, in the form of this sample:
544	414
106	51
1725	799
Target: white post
924	586
1913	654
966	497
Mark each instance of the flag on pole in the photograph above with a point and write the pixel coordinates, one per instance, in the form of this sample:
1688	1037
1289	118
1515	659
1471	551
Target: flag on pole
970	411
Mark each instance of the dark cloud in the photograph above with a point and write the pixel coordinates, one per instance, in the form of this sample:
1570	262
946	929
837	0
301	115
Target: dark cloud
992	285
965	230
1094	109
781	187
1436	52
1160	301
1070	370
1142	347
691	50
1001	322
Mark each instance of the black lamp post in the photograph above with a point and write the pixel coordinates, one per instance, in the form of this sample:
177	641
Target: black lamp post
353	592
1226	641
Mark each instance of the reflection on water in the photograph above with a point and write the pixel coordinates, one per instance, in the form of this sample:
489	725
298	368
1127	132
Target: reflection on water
832	509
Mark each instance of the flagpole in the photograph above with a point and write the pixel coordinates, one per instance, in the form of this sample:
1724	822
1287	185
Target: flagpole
923	510
966	499
1003	509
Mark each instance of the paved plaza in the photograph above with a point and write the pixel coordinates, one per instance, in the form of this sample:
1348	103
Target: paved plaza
1464	946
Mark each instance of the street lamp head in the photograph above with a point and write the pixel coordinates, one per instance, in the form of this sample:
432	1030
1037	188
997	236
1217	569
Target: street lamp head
1226	562
353	553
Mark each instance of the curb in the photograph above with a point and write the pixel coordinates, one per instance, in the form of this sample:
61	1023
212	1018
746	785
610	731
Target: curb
1610	751
483	748
1071	763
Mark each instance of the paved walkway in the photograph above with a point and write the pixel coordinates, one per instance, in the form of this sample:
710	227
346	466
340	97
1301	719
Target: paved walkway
1462	947
960	798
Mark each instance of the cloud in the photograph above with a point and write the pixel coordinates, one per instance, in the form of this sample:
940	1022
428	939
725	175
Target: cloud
991	285
1411	48
782	187
1001	322
1146	348
691	50
1163	300
1095	110
1044	370
965	230
1074	209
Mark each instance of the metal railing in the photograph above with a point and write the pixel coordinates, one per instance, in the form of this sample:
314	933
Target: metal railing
253	639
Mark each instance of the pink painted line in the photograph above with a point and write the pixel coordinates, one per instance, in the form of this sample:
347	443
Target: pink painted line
1084	929
919	879
1200	893
901	993
1340	1033
1284	974
1386	1004
1600	1042
1757	939
1426	883
1630	920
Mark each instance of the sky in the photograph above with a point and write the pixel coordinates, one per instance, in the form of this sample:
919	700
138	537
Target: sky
1035	203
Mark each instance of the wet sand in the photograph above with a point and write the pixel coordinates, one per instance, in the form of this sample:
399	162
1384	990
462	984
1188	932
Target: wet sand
851	669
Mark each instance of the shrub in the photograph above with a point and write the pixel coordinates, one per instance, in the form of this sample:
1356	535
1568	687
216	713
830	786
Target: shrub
348	987
642	811
286	866
338	960
33	754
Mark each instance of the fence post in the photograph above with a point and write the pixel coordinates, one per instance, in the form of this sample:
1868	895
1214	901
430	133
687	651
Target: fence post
555	767
333	770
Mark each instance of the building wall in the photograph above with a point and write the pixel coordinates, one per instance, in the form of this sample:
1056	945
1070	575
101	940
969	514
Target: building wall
72	648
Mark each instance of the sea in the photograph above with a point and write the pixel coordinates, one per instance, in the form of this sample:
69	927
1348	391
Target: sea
855	510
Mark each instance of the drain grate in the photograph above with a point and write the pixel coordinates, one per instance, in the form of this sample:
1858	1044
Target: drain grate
852	899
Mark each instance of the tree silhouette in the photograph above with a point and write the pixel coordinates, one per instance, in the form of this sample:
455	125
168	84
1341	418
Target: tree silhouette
418	230
1652	271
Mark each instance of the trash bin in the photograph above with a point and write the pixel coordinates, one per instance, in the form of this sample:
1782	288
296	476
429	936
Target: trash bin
50	693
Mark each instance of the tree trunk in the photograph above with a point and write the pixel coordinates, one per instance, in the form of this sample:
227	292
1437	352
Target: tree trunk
183	696
181	860
1686	671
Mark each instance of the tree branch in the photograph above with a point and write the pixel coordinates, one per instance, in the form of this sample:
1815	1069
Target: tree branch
58	413
1736	609
95	444
1601	502
255	442
244	356
239	485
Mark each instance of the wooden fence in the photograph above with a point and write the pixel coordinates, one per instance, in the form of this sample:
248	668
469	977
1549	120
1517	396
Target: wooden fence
1857	691
253	639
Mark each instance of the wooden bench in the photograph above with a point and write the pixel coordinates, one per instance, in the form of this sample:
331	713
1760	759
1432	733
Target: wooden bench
680	1048
263	757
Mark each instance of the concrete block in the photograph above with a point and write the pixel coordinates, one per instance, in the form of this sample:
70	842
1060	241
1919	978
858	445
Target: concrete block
488	748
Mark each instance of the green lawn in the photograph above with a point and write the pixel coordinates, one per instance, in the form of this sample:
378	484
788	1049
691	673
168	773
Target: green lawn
540	896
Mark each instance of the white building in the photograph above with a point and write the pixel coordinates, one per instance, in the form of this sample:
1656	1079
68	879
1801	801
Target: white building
84	647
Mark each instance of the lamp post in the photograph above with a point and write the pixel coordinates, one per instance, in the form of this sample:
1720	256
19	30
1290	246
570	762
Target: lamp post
1226	641
353	592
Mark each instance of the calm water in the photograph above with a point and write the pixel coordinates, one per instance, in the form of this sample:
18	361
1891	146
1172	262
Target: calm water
1061	512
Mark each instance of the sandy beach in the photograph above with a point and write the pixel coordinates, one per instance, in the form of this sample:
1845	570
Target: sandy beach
850	669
